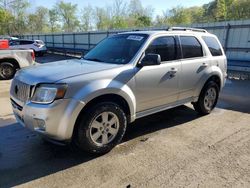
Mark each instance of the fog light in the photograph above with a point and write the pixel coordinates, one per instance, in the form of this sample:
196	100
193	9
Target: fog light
40	124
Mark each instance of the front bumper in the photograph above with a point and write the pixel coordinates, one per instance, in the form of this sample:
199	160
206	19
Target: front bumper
55	120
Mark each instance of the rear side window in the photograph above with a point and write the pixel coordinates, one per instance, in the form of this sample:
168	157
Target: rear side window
14	42
191	47
23	42
213	45
165	47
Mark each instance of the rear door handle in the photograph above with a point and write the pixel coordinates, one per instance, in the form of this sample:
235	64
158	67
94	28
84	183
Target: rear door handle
205	64
173	70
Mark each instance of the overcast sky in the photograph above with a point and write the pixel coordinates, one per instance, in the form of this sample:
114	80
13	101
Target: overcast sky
158	5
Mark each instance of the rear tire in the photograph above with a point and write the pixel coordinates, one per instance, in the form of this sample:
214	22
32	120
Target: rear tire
100	128
208	98
7	70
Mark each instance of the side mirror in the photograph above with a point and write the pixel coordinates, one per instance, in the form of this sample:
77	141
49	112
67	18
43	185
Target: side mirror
151	59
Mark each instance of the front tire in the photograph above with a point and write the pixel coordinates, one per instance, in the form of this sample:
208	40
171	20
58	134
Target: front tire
7	70
208	98
100	128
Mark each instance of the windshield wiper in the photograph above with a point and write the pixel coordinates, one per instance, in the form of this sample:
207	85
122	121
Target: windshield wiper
93	59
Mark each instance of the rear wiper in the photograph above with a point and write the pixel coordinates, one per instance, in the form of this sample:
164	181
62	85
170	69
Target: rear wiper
93	59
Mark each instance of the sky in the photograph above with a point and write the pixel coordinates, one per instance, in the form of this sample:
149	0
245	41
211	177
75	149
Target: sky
158	5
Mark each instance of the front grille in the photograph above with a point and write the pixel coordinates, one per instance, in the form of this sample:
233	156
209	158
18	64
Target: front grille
20	90
15	105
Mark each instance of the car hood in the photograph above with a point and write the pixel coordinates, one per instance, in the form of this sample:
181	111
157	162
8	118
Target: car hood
53	72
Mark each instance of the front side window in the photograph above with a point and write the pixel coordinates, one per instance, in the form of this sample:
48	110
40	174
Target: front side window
118	49
191	47
165	47
213	45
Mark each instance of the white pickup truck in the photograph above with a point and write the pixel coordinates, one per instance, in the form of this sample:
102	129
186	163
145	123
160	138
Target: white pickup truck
12	60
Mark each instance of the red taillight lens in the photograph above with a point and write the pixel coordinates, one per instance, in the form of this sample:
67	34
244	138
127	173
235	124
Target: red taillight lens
33	55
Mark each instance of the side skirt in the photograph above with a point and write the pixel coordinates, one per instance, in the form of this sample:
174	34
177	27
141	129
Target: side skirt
164	107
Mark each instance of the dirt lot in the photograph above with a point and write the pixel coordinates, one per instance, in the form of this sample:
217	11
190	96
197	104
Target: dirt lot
175	148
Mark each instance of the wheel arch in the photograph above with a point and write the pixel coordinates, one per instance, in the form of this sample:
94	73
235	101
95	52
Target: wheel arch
118	99
215	76
203	105
11	60
115	98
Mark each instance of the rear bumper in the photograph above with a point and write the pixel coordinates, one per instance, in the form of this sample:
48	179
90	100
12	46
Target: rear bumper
41	51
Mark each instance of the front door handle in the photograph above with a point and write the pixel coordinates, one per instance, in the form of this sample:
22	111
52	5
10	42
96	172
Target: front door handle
172	72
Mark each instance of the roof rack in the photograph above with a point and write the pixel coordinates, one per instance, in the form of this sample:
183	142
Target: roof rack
187	29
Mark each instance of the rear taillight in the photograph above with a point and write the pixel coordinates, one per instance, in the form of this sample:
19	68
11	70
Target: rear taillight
33	55
4	44
37	45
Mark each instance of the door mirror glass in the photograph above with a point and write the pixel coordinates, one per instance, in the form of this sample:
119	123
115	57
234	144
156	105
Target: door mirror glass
151	59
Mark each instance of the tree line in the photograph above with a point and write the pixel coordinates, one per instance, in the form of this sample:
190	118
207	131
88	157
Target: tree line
67	17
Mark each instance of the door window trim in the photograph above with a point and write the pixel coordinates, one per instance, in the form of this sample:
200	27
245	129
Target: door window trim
177	48
191	58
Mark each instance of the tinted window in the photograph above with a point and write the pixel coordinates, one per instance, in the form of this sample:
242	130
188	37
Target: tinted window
23	42
191	47
213	45
165	47
14	42
118	49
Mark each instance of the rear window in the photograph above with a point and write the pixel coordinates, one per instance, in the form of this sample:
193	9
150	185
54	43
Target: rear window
191	47
213	45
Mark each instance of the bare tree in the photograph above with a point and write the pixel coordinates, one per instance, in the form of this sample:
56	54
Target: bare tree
119	14
53	20
18	9
67	13
87	18
102	19
38	21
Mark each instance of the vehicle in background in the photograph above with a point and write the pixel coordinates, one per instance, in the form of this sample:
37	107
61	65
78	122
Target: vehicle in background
13	60
37	45
8	37
4	44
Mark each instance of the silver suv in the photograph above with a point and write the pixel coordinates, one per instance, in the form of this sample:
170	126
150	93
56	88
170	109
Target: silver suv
89	101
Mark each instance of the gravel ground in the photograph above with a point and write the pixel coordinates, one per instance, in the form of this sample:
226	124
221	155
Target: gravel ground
174	148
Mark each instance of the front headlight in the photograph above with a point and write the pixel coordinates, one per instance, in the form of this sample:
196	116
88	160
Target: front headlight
47	93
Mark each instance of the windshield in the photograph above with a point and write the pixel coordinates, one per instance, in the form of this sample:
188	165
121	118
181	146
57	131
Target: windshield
118	49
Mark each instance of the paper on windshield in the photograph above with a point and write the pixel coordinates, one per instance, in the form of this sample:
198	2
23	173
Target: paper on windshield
135	37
